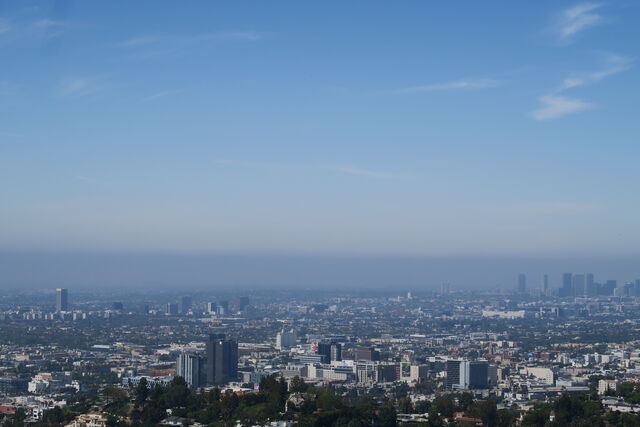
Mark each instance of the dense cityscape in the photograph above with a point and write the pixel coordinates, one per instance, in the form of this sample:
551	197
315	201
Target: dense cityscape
526	356
330	213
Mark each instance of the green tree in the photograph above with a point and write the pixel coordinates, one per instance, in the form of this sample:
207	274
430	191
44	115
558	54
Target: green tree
114	395
228	405
465	400
177	394
444	406
141	391
487	412
54	415
297	385
387	416
405	406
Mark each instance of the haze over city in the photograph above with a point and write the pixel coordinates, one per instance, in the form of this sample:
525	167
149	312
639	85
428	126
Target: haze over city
340	141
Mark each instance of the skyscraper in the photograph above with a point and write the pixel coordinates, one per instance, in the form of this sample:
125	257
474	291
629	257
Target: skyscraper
567	285
285	339
222	359
589	285
366	353
212	307
464	374
478	374
452	367
191	368
330	351
62	299
522	283
223	308
171	308
184	304
609	287
577	283
545	284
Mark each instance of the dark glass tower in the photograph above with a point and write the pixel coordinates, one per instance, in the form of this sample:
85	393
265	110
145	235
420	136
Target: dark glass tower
62	299
222	359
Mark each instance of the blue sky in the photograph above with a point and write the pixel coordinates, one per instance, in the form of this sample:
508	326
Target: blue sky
361	127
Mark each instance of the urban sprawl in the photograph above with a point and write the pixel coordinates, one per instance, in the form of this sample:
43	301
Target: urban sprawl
566	353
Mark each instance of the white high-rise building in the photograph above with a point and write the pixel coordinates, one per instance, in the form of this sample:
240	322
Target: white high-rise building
212	307
286	339
190	367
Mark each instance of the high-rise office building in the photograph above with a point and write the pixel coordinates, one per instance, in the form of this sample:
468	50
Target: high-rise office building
522	283
242	303
567	285
366	353
212	307
464	374
388	373
545	284
589	285
478	374
223	308
577	283
184	304
222	359
452	366
171	308
336	352
609	288
62	299
285	339
330	351
191	367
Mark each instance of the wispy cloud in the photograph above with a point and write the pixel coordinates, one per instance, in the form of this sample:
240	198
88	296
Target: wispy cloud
52	28
139	41
247	36
453	85
150	46
29	29
614	64
149	40
353	170
554	106
49	23
80	87
577	19
163	94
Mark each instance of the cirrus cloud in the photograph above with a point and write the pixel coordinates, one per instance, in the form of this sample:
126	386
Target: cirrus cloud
577	19
555	106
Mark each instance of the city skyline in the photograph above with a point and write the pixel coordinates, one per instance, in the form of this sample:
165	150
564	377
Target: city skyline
87	271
